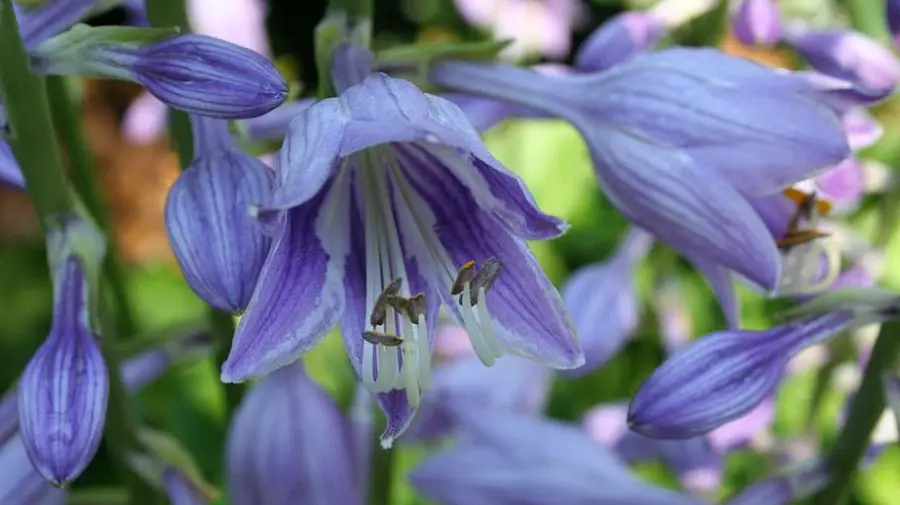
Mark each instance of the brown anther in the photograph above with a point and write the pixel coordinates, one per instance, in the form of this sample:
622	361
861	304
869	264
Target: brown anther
485	277
796	238
465	276
415	307
379	308
380	338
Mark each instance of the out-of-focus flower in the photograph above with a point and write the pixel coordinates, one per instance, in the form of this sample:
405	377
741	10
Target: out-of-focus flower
10	173
219	246
619	39
542	26
788	486
861	128
20	484
603	302
198	74
64	389
757	22
846	55
41	22
388	205
288	444
180	490
656	141
724	375
511	458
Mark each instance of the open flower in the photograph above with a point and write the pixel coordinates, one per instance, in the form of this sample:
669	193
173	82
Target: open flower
388	205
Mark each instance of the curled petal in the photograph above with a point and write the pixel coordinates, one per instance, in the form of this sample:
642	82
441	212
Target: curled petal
64	389
288	444
304	271
722	376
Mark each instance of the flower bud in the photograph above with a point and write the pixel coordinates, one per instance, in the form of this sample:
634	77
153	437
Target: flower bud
723	376
847	55
195	73
10	173
64	389
288	444
757	22
619	39
219	246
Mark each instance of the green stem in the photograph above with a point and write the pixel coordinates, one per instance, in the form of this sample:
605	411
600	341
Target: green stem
34	145
28	111
85	178
868	17
865	411
221	325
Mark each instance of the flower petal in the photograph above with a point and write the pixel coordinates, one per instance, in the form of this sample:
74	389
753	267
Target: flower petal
300	293
274	125
527	310
10	173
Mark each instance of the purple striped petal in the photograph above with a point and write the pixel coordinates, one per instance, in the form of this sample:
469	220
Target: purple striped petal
722	376
619	39
289	444
64	389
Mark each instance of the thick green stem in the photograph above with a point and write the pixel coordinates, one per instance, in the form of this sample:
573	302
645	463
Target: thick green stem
865	411
85	178
34	145
28	111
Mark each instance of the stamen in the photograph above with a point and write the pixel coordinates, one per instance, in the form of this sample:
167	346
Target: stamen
474	329
487	326
415	307
378	338
465	276
379	309
485	277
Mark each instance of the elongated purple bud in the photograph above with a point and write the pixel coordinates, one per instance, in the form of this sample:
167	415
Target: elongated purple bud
619	39
10	173
847	55
219	246
723	376
757	23
289	444
64	389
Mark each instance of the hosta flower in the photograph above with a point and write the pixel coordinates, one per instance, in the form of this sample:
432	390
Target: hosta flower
387	206
288	444
198	74
847	55
219	246
10	173
757	22
669	134
602	300
510	458
724	375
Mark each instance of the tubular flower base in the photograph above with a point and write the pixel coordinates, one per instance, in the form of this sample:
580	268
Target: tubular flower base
388	205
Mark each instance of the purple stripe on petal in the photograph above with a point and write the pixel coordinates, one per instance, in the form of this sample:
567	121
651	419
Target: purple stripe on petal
528	311
300	293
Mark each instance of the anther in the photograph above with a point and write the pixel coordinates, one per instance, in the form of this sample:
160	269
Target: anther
485	277
464	277
415	307
380	338
379	308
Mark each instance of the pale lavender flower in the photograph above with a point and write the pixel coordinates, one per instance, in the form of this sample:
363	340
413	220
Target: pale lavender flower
65	387
10	173
505	457
618	39
387	206
288	444
757	22
541	26
219	246
602	300
847	55
670	145
196	73
724	375
20	484
51	17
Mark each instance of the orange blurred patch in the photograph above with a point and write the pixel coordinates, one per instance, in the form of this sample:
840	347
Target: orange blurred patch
770	56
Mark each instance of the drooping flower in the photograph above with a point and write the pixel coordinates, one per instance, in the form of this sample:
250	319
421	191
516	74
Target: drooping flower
10	173
288	444
603	302
757	22
64	389
511	458
198	74
669	143
388	205
219	246
724	375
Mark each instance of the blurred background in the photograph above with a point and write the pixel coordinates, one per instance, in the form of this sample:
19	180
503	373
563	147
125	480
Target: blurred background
137	167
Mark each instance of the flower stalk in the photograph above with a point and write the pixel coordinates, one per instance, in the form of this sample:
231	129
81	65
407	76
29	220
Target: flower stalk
869	403
28	109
